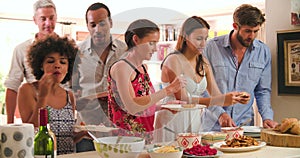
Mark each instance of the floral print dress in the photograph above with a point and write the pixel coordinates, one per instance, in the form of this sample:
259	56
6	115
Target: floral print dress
140	124
61	123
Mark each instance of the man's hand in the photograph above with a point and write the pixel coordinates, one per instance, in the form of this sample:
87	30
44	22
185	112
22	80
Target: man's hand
244	97
269	123
226	121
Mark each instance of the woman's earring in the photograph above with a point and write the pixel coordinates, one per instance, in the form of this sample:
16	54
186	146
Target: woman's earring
42	69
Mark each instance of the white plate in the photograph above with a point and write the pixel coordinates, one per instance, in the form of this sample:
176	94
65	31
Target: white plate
219	153
178	107
95	96
253	135
96	128
238	149
251	129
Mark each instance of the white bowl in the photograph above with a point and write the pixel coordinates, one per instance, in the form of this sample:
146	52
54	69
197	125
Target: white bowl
154	154
232	132
188	140
128	147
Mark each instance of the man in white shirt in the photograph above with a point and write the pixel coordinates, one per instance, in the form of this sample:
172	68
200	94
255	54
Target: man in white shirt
97	53
45	18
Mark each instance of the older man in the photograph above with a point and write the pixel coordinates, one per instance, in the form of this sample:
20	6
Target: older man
45	18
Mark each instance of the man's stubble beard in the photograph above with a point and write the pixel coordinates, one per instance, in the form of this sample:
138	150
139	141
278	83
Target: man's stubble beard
241	40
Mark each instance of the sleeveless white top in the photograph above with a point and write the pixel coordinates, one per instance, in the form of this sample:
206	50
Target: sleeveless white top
192	87
180	121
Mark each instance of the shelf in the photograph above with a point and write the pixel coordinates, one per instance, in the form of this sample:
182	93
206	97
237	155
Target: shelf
164	48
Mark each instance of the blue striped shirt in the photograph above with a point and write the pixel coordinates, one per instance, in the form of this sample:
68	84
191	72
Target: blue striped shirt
253	76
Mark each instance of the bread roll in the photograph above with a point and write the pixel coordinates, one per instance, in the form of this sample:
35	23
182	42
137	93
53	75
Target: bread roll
296	128
277	127
244	95
287	124
289	119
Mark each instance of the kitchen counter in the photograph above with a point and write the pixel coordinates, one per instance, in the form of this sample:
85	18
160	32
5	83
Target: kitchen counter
267	151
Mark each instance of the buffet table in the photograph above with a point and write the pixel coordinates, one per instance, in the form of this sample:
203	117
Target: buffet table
267	151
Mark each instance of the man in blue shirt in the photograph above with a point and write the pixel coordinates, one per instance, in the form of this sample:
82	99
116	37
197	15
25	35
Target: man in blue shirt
242	63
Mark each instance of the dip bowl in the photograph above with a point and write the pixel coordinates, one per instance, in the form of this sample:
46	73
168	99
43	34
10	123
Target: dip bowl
119	147
232	132
188	140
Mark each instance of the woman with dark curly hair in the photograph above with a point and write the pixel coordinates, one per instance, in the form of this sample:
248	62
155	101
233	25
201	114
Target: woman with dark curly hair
51	60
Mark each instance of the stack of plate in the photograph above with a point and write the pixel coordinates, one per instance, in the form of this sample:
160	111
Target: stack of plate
213	137
252	131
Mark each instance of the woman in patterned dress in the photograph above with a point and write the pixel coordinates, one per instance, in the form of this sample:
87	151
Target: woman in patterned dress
51	60
132	98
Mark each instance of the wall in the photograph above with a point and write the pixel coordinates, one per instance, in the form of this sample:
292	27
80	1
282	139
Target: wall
278	18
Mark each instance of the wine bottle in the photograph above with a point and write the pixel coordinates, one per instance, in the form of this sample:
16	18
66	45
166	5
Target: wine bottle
43	142
51	133
3	109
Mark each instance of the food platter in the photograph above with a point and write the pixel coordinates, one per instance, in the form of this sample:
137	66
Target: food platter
95	128
219	153
238	149
180	107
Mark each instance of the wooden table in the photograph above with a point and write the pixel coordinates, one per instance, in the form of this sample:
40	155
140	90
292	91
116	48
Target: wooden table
267	151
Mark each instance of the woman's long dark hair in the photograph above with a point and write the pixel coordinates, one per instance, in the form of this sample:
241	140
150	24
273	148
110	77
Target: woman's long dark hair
189	25
141	28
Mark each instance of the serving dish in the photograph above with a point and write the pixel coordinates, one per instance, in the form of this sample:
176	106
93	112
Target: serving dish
232	132
95	128
119	146
179	107
219	153
188	140
237	149
162	152
94	96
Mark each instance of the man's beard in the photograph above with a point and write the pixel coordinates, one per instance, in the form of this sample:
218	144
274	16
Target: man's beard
241	40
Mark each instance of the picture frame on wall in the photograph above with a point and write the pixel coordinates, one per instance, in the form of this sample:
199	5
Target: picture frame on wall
288	49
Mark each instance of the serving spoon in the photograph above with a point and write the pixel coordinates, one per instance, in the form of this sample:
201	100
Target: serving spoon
168	129
245	123
93	136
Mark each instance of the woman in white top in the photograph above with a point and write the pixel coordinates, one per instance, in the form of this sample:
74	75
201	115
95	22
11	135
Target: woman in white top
187	61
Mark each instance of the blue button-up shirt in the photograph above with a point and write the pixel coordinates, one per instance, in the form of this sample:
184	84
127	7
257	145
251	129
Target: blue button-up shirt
253	75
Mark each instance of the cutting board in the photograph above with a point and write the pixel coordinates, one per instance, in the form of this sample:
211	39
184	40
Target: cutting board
275	138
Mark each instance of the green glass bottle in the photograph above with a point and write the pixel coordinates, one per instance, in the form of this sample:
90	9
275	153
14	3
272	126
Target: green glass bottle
43	142
51	132
3	109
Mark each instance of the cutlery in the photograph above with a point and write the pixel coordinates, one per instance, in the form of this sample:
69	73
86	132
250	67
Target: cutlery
93	136
118	139
168	129
245	123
